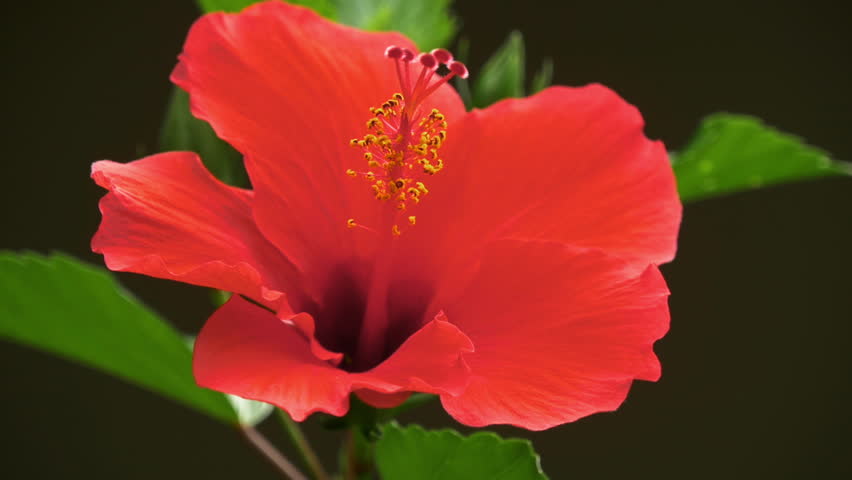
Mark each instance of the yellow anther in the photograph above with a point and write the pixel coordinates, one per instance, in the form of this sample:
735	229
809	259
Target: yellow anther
397	148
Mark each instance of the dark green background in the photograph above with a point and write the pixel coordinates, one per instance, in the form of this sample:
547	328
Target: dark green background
756	380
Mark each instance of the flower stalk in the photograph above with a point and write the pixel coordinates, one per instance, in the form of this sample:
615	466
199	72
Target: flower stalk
272	454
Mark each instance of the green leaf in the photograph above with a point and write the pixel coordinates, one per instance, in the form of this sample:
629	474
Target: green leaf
543	78
182	131
413	453
427	22
224	5
325	8
78	311
502	76
730	153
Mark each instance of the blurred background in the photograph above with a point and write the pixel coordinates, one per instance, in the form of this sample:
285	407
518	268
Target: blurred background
757	367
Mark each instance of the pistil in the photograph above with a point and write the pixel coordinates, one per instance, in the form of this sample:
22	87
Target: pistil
401	149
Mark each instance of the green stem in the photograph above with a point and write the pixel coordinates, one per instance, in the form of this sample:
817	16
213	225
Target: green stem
301	442
358	456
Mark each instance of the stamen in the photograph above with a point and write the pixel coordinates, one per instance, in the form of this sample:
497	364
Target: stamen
351	223
429	66
402	146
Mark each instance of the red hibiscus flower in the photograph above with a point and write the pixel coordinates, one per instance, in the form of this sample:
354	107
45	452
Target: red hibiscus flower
504	259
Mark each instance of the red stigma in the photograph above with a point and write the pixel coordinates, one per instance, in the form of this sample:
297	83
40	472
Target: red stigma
417	88
427	60
393	52
458	68
442	56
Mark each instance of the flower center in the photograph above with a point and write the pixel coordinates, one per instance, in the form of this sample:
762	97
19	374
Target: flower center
403	140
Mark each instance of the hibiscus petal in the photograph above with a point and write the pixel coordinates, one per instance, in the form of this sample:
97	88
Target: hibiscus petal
568	164
289	89
166	216
305	323
557	339
429	361
245	350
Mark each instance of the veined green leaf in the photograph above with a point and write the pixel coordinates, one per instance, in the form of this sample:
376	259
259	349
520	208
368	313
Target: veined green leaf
412	453
730	153
62	306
